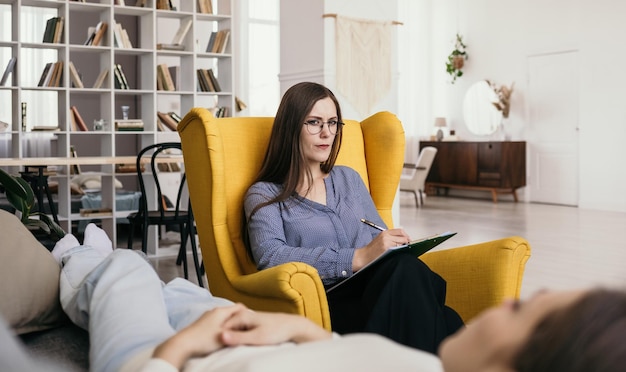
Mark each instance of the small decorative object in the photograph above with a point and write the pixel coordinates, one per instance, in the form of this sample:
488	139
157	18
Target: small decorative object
439	124
99	125
456	59
504	97
125	110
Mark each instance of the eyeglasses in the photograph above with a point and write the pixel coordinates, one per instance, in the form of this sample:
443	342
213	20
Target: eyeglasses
315	126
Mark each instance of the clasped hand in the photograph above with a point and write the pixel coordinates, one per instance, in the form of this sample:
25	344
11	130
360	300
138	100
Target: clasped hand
236	325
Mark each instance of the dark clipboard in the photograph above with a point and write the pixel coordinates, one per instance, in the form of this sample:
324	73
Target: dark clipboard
416	247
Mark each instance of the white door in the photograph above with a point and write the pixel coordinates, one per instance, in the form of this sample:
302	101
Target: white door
553	128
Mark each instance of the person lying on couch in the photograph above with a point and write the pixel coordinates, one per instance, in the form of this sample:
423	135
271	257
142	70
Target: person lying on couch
138	323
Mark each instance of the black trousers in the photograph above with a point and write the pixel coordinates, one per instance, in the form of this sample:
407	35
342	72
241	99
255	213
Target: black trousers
400	298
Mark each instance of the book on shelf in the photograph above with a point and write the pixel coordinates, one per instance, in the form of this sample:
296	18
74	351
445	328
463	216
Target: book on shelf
96	34
75	76
51	75
129	124
183	29
208	81
120	2
58	75
43	128
164	5
214	82
54	30
239	104
218	41
101	78
175	116
177	47
175	76
96	212
205	6
120	77
167	120
164	79
8	70
120	37
80	123
219	111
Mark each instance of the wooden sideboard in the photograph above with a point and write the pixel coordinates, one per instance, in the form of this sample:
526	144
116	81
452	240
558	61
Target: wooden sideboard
498	167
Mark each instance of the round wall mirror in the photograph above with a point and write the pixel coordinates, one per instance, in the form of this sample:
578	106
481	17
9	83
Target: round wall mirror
481	116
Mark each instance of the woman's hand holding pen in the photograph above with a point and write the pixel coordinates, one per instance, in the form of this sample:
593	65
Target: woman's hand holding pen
380	244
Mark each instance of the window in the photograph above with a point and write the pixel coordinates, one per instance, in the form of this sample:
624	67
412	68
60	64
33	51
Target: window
261	43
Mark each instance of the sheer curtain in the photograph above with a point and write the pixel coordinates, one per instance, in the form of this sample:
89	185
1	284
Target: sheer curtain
42	106
260	25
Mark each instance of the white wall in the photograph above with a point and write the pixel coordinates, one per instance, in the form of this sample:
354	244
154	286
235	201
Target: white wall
501	35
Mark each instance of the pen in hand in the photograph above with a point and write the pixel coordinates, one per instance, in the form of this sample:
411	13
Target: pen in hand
372	224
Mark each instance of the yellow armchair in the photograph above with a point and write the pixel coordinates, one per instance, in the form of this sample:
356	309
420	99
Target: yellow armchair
222	158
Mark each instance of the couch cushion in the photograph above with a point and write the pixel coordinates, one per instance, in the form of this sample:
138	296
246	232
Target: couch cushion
29	279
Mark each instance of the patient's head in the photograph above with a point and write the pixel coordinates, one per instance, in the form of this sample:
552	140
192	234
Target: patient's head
552	331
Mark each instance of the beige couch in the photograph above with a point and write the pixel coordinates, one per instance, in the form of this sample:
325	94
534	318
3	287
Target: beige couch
29	298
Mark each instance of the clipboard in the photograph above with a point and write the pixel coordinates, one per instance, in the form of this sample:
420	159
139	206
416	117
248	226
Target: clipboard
416	248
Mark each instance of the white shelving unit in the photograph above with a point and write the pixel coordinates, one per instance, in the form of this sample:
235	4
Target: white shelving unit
146	26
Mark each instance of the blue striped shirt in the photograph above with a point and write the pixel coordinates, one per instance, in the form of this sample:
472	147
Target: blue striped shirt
323	236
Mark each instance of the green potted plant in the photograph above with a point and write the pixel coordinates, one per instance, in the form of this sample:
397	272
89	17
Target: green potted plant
22	198
456	59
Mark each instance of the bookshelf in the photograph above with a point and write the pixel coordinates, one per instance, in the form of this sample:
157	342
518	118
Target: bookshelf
129	41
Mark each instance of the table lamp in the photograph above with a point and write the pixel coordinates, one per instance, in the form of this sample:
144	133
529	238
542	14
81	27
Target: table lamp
440	123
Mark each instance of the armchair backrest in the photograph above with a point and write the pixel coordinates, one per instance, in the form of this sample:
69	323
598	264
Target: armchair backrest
224	155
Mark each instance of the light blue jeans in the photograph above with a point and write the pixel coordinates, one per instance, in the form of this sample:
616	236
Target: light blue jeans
124	305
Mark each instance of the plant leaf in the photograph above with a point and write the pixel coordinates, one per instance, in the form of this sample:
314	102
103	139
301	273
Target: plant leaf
11	184
30	195
53	228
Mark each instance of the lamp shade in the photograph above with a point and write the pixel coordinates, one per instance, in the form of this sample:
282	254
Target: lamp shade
440	122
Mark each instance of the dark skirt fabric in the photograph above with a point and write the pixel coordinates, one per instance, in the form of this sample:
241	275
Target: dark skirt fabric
399	298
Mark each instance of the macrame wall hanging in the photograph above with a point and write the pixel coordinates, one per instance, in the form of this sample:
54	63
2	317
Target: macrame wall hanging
363	60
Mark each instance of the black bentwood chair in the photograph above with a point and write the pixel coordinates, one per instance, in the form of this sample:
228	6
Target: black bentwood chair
164	215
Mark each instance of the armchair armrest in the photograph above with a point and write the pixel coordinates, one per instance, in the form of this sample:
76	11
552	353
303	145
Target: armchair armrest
293	287
482	275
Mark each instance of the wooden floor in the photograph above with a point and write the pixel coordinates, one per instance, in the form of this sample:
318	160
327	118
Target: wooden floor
571	247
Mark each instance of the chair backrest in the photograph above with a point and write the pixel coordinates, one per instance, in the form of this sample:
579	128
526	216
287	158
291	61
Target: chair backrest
154	167
224	155
417	178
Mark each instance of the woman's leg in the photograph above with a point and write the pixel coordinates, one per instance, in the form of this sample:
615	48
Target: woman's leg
401	299
120	298
186	302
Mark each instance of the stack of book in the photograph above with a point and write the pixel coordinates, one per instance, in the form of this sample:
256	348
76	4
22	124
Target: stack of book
126	125
52	75
208	81
218	41
54	30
